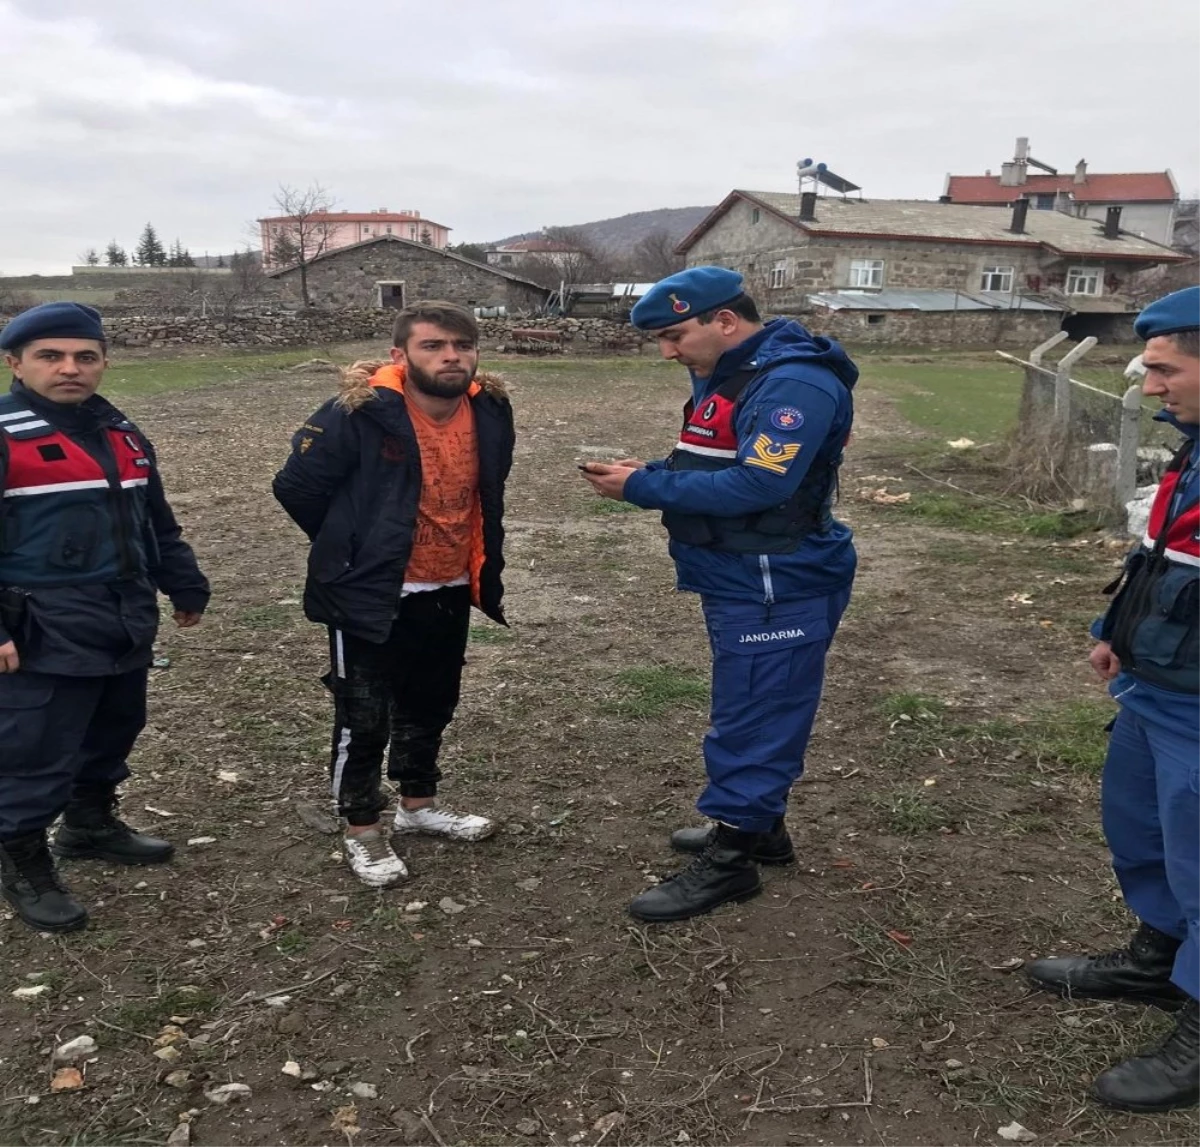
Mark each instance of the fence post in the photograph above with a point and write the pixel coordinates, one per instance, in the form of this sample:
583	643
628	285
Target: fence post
1062	380
1127	460
1035	355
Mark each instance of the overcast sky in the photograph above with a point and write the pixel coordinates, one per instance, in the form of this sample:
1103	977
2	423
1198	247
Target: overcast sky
500	116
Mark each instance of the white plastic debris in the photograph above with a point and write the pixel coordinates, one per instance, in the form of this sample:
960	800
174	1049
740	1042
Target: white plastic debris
30	993
292	1068
364	1090
1015	1133
202	840
227	1093
78	1048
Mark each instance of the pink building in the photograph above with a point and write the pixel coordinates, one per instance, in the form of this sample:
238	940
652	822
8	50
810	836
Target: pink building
334	229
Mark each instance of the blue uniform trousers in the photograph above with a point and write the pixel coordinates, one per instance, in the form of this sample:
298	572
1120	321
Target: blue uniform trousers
768	665
57	733
1151	817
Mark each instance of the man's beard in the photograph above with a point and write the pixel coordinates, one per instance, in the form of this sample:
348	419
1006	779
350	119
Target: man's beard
435	386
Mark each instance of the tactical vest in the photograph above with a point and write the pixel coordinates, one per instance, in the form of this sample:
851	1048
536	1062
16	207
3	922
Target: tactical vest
709	442
68	517
1155	631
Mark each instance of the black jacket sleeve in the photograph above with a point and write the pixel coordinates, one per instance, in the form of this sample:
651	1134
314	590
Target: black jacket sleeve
325	451
177	573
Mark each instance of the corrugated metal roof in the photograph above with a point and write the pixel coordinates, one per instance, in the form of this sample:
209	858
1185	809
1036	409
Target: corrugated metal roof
926	299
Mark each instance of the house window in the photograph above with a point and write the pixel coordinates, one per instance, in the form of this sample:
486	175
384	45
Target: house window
875	320
754	215
1044	202
996	279
505	258
778	275
389	228
1083	281
866	273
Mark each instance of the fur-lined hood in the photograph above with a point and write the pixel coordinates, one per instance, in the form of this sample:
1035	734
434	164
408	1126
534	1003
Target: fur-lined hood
361	379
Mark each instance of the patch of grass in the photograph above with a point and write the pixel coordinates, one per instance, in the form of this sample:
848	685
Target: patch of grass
648	691
491	635
142	1015
950	396
608	506
911	707
292	942
141	377
909	812
267	616
1068	735
970	514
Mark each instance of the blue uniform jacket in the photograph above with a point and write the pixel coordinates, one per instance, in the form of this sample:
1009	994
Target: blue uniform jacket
801	375
1164	706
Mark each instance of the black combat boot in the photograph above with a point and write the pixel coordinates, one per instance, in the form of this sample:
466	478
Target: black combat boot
1161	1079
725	871
774	846
91	829
30	884
1141	971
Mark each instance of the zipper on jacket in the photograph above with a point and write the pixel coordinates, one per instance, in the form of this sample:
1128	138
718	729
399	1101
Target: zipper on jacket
764	565
118	497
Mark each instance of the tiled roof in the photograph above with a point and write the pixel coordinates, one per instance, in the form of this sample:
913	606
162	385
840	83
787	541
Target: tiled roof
918	220
1131	187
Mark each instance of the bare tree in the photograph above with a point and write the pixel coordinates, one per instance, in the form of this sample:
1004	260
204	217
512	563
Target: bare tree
302	232
571	259
655	257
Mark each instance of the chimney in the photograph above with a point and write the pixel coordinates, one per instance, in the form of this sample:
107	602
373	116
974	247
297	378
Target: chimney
1022	150
1081	171
1020	211
808	206
1112	223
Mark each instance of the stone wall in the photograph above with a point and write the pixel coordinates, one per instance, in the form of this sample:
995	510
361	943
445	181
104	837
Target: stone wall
967	330
351	278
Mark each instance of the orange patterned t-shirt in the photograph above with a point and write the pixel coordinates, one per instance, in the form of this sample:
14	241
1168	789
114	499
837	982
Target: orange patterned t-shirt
441	550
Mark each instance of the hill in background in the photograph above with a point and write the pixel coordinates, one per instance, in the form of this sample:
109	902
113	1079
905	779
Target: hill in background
620	235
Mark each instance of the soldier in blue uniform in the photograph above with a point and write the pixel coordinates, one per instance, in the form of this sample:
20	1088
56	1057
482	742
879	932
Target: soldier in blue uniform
1149	651
87	540
746	498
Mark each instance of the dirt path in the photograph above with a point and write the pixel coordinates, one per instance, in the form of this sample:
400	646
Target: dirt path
867	997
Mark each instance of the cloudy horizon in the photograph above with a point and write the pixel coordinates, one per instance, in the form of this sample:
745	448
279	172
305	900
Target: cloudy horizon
495	119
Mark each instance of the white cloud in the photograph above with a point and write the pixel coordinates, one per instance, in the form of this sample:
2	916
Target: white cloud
501	117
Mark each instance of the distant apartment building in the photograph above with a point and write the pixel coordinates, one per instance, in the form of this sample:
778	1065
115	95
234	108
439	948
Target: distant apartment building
333	230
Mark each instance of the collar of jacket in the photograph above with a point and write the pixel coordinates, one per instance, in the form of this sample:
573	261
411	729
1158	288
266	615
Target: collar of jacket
80	417
392	377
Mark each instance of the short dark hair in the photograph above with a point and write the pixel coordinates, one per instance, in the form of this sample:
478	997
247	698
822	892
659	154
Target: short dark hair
1187	342
743	306
449	316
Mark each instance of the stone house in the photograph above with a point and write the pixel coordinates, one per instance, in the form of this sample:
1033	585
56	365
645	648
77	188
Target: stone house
1066	270
1149	200
388	271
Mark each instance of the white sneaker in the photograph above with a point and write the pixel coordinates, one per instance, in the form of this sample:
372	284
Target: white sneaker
434	821
372	859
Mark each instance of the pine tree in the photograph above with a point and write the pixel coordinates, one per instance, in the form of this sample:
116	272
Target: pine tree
220	260
149	251
91	258
114	255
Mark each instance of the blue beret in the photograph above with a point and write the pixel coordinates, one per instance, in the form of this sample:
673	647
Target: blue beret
1179	311
53	321
685	295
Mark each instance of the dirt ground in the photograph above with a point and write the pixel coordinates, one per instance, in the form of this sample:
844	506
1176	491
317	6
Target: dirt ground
947	829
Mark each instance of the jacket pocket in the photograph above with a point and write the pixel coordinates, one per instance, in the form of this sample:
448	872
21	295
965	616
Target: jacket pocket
76	539
1167	635
24	704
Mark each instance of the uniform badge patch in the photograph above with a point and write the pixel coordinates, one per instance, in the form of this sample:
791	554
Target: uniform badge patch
709	410
678	305
787	418
770	455
305	443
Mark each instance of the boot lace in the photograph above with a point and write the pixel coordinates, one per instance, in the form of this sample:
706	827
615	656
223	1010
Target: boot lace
39	873
1179	1048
